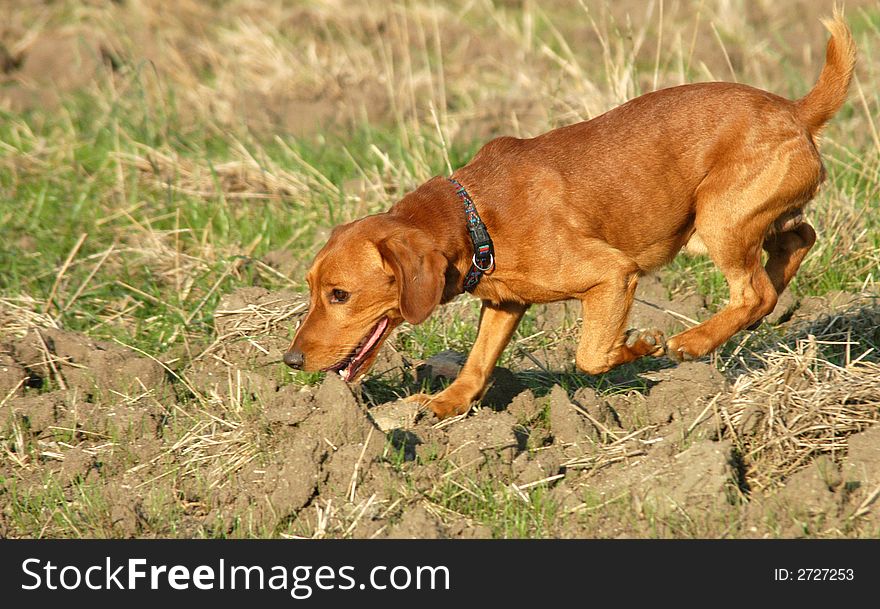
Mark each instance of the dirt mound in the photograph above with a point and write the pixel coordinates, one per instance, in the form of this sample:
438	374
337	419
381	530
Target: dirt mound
418	523
862	464
252	326
54	63
230	447
72	360
13	376
483	438
682	391
567	423
703	477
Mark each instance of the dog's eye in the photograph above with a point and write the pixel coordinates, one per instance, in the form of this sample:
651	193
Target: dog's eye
339	296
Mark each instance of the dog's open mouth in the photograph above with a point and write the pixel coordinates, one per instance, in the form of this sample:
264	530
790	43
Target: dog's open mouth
349	367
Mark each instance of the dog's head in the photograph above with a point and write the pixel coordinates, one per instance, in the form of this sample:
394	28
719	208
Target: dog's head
371	275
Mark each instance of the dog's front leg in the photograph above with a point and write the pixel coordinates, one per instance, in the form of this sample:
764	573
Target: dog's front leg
497	324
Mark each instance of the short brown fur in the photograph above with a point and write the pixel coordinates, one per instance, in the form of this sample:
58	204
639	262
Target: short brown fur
582	212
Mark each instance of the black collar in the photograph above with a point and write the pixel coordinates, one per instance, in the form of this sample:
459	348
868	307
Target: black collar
483	261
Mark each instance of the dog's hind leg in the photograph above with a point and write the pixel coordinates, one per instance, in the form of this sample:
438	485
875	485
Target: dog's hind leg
734	210
786	250
497	325
733	231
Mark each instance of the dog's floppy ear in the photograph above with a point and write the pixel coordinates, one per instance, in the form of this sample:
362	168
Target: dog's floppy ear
419	271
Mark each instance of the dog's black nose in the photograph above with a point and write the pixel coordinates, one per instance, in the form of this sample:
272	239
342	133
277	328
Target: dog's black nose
295	359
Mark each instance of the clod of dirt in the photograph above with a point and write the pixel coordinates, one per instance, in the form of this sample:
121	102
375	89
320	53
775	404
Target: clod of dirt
39	411
653	309
530	467
293	480
417	523
13	377
811	490
703	476
680	388
586	398
338	417
566	424
485	436
395	415
86	364
863	458
525	407
290	405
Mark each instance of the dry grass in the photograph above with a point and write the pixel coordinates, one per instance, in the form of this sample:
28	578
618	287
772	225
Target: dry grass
799	405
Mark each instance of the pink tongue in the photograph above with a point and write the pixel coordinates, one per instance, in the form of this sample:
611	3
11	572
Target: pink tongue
371	341
373	338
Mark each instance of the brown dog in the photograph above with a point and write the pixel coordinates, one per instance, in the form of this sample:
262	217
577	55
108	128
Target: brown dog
582	212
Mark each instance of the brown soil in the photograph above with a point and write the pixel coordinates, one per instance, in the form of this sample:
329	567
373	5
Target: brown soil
230	448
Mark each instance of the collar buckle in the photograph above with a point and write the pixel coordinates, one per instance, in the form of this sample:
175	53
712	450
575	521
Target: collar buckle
486	266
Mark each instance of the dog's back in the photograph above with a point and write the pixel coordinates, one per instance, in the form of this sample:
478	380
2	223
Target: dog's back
632	177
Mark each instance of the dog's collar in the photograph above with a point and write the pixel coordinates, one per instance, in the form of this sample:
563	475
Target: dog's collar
483	260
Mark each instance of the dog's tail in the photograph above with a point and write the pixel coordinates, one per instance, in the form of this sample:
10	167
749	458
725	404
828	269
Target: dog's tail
828	95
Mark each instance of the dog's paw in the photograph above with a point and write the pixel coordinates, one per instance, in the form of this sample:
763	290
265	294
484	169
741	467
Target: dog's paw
679	355
678	351
645	342
444	404
421	399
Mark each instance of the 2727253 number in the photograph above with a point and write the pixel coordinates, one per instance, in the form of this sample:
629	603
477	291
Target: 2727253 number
808	574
